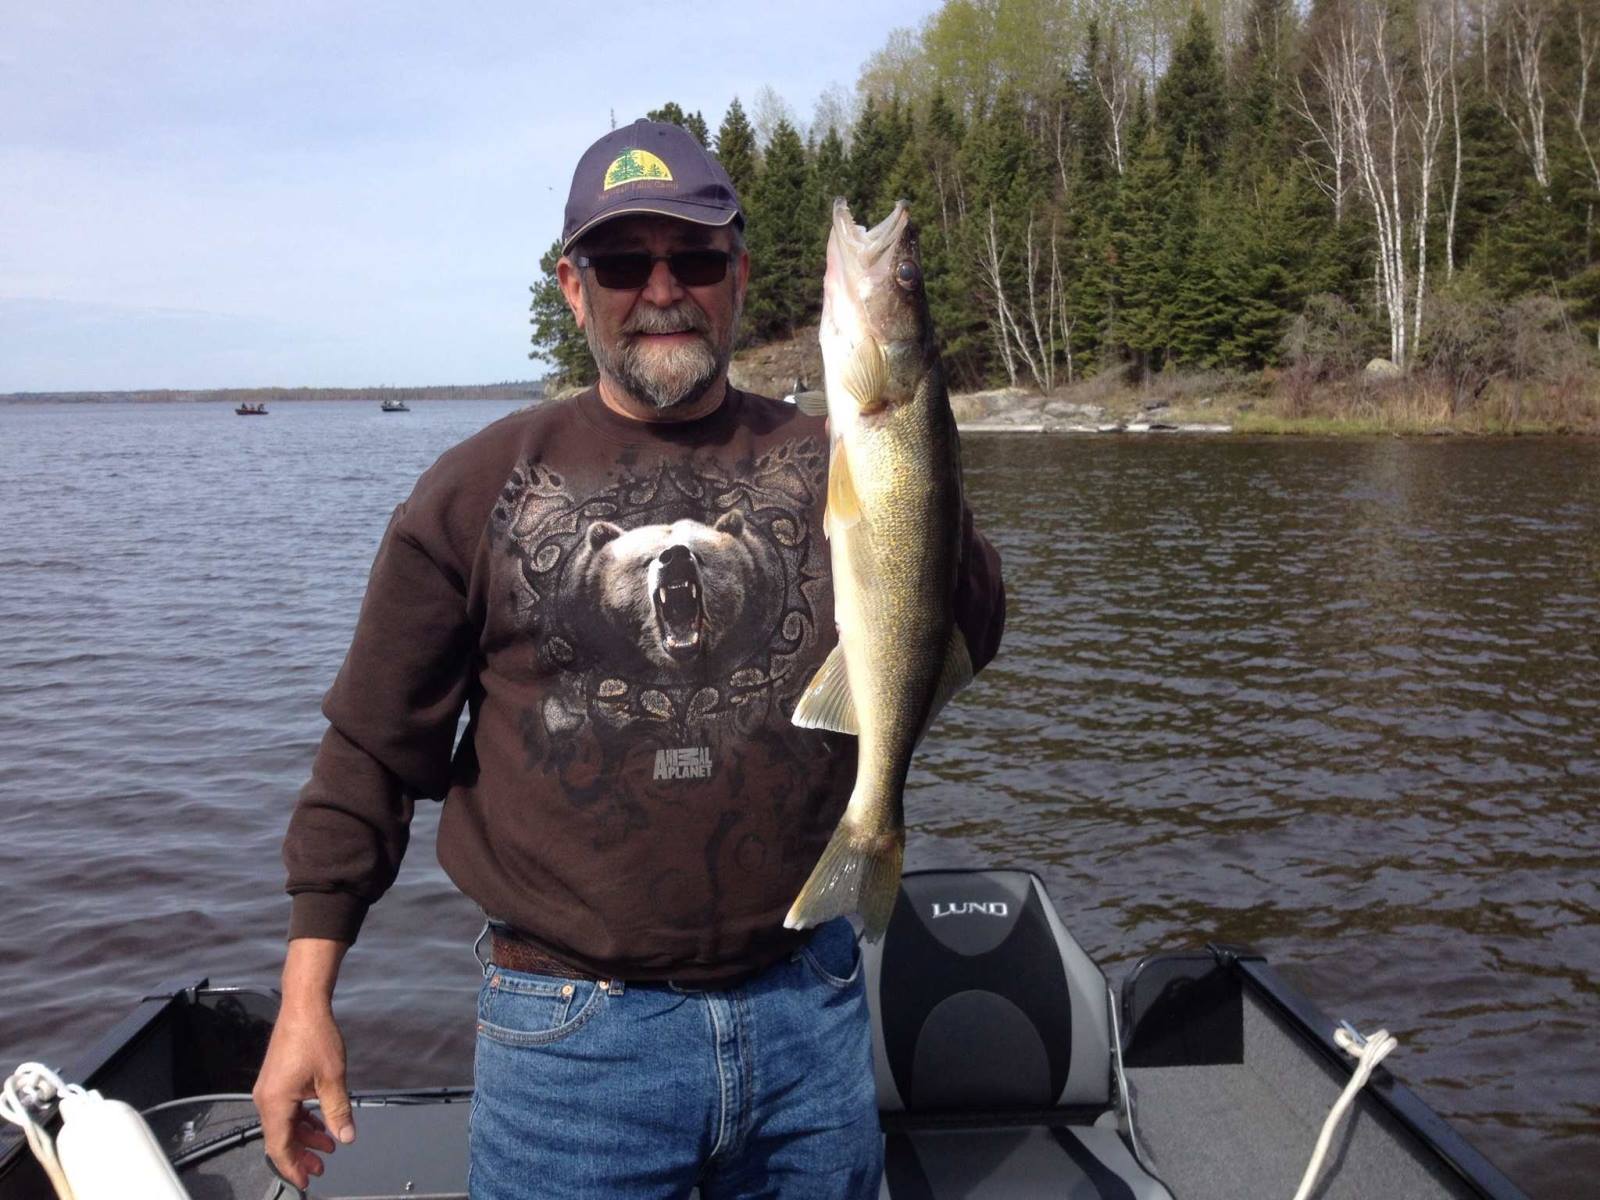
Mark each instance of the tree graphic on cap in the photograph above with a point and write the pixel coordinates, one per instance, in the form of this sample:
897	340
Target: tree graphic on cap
635	164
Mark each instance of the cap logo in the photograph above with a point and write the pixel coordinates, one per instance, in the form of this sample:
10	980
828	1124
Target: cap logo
633	165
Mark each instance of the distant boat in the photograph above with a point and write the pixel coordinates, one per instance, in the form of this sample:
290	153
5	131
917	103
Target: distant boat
251	410
395	406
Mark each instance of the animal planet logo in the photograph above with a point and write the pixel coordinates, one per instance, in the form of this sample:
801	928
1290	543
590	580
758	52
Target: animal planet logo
993	908
689	762
632	166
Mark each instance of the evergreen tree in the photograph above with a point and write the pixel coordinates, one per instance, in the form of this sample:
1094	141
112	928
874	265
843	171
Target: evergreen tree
1092	124
1141	277
736	150
556	338
1191	102
672	112
1261	127
784	286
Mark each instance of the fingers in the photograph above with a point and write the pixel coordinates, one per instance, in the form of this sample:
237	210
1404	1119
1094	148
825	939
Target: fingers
309	1132
282	1124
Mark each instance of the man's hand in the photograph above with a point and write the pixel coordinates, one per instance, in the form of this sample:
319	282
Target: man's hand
305	1061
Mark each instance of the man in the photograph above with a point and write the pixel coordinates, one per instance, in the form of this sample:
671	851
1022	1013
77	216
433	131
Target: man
628	590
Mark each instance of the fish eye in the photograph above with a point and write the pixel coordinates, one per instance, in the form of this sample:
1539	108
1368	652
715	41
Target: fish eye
907	275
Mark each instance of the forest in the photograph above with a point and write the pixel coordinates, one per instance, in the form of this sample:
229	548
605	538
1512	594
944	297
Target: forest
1341	206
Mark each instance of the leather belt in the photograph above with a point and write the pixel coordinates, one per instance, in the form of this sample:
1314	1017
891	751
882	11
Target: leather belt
516	955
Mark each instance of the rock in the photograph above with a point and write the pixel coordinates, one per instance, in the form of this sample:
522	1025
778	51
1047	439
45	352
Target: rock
1154	406
1382	368
1066	409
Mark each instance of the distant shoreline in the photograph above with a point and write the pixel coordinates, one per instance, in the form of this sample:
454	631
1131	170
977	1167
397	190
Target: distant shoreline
525	391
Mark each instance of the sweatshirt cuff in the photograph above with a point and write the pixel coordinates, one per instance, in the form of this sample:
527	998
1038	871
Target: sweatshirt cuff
333	915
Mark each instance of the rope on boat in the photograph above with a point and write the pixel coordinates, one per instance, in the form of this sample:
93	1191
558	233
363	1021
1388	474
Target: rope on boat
32	1089
104	1151
1368	1051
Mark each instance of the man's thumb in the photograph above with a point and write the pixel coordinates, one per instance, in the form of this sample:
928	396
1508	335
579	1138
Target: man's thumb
336	1115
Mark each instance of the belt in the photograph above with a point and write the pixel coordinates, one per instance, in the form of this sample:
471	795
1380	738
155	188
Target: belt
516	955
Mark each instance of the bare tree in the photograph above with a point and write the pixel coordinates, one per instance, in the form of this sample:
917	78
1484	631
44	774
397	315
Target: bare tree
1326	150
1519	95
1116	80
1385	109
1434	62
991	262
1578	106
1455	125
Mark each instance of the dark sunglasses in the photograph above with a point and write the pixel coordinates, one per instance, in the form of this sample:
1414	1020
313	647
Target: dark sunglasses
631	270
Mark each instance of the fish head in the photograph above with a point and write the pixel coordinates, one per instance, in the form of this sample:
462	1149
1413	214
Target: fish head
873	297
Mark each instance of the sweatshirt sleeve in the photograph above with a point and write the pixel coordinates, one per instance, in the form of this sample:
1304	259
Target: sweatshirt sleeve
392	714
980	601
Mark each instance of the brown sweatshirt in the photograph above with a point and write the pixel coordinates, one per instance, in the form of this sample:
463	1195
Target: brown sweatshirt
629	611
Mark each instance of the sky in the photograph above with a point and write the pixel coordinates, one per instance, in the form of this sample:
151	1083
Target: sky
198	195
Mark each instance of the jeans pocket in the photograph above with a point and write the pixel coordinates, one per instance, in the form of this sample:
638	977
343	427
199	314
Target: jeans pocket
519	1009
833	955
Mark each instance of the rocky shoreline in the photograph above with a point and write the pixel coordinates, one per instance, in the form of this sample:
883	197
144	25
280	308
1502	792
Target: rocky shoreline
1015	410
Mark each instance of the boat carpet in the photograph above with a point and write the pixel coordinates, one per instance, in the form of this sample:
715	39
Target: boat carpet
1249	1129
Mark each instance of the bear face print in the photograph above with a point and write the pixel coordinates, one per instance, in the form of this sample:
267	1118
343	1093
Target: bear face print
676	602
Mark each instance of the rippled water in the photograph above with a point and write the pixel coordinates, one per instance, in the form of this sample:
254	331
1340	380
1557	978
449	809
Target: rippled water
1337	699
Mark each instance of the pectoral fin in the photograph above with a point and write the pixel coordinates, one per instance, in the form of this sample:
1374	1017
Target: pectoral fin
844	509
866	375
826	703
813	404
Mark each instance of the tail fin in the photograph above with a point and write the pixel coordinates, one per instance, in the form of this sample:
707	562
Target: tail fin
858	872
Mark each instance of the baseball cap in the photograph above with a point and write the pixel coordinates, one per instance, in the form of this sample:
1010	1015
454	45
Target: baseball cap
648	167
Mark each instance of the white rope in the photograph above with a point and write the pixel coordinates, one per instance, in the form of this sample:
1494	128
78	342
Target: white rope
33	1088
1368	1052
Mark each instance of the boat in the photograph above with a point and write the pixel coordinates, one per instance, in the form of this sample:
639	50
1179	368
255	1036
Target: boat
250	410
1007	1067
394	406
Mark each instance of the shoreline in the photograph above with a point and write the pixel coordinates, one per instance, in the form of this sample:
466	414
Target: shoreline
1409	414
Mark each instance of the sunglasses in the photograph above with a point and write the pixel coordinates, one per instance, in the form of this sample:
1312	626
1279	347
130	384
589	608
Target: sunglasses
631	270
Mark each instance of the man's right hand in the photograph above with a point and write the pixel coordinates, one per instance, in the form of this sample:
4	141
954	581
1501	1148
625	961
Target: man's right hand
305	1061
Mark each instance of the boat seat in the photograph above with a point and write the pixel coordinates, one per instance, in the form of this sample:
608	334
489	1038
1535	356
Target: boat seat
992	1044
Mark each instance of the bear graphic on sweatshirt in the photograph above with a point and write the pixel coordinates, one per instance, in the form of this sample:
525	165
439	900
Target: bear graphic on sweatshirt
687	599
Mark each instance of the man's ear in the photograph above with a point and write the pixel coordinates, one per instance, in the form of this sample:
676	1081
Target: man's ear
742	274
571	281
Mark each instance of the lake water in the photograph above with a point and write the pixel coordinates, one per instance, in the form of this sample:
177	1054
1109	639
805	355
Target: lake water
1338	699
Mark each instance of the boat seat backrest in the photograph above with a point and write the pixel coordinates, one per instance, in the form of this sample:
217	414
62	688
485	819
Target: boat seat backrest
983	1002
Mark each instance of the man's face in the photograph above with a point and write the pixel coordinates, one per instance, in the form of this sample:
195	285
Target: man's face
665	343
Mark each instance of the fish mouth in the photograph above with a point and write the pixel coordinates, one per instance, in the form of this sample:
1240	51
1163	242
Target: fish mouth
679	611
868	246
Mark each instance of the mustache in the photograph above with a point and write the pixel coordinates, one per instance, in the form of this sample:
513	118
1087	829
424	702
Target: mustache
682	317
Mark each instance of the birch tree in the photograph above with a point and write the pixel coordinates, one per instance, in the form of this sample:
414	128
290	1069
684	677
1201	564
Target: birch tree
1520	93
1388	109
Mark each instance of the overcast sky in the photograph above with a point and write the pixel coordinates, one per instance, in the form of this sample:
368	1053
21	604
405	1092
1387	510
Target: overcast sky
214	194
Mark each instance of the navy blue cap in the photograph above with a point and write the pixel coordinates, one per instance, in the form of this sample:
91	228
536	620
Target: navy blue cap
648	167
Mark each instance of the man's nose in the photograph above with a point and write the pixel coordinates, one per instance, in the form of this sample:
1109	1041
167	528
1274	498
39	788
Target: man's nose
662	288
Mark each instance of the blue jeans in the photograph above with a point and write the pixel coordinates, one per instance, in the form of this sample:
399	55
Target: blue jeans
646	1090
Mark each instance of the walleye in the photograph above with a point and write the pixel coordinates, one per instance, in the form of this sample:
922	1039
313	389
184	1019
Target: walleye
893	524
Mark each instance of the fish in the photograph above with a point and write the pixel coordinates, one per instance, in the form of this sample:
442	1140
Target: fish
893	525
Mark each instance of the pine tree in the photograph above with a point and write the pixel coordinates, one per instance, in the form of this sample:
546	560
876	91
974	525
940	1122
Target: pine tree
1261	120
672	112
783	285
1191	102
1092	124
556	338
736	150
1141	279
